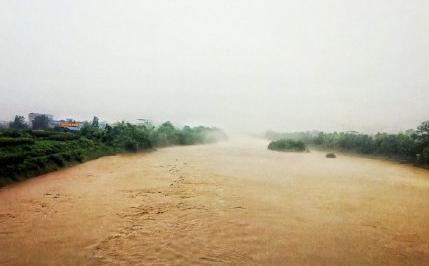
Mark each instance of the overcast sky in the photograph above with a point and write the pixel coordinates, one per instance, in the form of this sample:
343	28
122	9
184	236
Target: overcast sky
238	64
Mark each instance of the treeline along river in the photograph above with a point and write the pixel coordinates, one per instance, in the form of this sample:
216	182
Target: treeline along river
25	153
411	146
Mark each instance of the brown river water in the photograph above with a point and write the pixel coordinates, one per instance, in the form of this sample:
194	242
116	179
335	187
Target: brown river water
232	203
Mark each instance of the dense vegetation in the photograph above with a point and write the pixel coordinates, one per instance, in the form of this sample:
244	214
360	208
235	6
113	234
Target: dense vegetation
411	146
25	153
331	155
287	145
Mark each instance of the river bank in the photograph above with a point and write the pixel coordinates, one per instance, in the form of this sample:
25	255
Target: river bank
26	153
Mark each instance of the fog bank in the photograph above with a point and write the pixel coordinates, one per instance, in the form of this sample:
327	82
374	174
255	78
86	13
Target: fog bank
240	65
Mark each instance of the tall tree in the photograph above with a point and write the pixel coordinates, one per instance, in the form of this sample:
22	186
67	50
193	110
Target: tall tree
41	122
18	123
423	140
95	122
423	132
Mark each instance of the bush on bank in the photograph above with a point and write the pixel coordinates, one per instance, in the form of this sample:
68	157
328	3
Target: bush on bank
26	153
287	145
331	155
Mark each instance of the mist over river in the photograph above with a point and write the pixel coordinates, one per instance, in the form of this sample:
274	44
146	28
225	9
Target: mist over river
231	203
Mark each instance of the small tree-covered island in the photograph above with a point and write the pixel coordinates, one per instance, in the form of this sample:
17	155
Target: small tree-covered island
287	145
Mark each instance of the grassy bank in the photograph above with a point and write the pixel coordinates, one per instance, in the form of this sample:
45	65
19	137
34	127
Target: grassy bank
27	153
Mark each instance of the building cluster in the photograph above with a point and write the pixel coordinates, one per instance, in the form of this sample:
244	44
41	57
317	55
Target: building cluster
68	123
48	121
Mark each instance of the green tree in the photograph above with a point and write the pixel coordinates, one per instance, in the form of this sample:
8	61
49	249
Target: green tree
95	122
425	155
18	123
41	122
423	133
166	134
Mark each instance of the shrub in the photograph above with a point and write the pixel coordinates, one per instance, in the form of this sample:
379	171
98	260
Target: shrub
39	133
11	158
331	155
41	161
425	155
287	145
66	156
57	159
130	146
77	156
4	142
11	133
63	136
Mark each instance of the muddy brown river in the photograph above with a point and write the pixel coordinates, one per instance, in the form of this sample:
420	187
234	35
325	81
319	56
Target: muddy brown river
233	203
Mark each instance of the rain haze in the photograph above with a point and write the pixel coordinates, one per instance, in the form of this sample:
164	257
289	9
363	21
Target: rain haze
241	65
223	132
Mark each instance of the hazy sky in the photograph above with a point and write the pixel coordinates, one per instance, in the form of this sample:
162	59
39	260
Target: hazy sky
284	65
